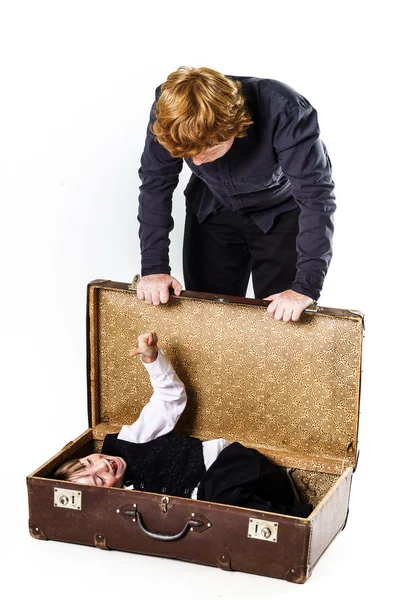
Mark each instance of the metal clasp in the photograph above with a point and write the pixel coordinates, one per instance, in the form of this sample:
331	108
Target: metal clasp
133	285
165	504
262	530
312	308
64	498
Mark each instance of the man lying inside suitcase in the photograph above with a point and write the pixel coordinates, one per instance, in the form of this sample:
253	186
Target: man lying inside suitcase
150	456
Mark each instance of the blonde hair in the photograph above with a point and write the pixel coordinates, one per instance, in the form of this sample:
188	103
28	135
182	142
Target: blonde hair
197	109
70	471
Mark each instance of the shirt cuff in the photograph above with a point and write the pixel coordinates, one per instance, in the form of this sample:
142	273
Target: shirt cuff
308	284
160	367
155	266
155	271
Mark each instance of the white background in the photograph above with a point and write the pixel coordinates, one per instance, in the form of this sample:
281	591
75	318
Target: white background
77	83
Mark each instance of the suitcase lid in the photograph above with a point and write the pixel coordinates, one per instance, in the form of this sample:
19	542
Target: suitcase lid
290	390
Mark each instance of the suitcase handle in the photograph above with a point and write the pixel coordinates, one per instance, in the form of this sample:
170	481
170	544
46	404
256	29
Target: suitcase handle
191	523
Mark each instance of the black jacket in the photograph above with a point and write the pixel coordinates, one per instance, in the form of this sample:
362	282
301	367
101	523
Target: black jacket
279	165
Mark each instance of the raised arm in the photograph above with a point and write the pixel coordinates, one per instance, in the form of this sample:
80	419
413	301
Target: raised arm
160	415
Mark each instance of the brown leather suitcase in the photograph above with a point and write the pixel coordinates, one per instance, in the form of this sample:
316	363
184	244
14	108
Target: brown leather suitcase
290	390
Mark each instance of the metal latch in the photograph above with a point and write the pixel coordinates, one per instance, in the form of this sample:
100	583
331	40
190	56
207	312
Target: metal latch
312	308
165	504
262	530
64	498
133	285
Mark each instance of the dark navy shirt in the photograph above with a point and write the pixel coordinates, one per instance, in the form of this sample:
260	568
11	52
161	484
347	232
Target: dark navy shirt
281	164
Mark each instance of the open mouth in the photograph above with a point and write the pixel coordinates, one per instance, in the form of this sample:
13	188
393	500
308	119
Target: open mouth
114	465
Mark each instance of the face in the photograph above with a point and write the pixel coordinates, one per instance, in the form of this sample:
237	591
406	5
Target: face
212	153
103	470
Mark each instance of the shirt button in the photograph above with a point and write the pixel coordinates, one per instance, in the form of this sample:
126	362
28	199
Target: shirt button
186	492
226	183
164	489
141	486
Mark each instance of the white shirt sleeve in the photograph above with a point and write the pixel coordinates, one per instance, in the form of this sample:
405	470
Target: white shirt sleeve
211	450
160	415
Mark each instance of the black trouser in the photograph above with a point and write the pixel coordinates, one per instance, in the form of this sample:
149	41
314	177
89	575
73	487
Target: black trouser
243	476
220	253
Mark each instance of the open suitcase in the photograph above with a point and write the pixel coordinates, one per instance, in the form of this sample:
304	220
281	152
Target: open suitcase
290	390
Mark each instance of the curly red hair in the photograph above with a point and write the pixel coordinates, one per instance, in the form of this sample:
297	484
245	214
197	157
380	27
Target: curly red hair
197	109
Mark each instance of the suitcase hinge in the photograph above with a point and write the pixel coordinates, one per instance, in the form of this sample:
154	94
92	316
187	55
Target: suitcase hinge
133	285
350	453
